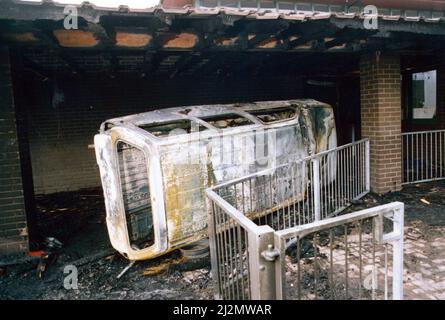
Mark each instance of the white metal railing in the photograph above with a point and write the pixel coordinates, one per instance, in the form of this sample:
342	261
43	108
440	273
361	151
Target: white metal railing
244	213
423	156
346	257
309	189
235	245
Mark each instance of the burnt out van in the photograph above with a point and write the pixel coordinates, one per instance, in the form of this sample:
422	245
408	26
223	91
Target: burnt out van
156	166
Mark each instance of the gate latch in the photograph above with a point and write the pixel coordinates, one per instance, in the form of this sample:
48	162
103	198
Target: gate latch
270	254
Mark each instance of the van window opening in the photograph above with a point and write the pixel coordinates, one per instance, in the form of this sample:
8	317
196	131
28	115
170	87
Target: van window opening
274	115
228	120
178	127
136	195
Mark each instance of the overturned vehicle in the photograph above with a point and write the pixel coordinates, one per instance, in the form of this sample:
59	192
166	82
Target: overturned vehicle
155	166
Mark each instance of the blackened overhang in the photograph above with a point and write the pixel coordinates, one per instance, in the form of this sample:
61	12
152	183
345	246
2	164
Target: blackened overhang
209	41
301	27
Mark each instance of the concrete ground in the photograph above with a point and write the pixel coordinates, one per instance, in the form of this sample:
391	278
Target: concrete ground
425	262
424	241
77	220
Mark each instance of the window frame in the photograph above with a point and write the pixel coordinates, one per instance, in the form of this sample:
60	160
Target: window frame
256	112
407	80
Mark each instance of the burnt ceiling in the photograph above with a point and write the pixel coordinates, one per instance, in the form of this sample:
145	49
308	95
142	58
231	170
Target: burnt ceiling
171	43
47	63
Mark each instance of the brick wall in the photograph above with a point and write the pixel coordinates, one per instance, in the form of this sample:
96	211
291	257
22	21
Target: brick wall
13	227
380	92
62	125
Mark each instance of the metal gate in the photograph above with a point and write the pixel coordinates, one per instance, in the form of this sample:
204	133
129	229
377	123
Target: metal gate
423	156
267	230
347	257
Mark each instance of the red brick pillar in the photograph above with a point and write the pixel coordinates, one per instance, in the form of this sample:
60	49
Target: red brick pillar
380	92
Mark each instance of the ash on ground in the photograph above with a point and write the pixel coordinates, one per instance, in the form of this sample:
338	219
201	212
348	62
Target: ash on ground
77	219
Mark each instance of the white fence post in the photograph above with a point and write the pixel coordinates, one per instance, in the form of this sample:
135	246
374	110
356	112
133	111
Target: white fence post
367	166
397	280
316	187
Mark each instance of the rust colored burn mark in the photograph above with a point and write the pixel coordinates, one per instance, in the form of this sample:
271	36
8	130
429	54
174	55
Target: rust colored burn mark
181	41
224	41
21	37
307	45
171	204
340	46
125	39
75	38
268	43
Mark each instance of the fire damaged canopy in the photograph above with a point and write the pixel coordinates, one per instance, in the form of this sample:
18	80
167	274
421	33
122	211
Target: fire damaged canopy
208	39
288	26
